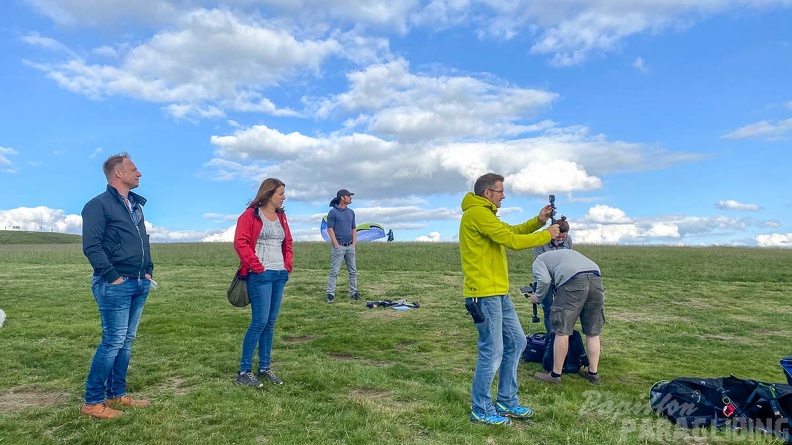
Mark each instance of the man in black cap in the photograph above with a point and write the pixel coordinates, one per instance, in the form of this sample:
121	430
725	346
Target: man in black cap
343	236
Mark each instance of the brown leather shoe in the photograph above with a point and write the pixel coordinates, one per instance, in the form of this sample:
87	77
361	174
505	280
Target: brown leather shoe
125	400
100	411
593	379
546	377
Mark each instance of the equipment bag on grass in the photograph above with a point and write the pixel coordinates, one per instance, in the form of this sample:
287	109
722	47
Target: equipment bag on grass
535	347
692	402
576	354
786	365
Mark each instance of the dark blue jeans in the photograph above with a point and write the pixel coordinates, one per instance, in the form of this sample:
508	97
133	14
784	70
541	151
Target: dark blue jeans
120	307
266	293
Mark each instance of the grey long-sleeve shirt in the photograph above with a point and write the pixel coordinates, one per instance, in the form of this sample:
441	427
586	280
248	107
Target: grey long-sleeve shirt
555	267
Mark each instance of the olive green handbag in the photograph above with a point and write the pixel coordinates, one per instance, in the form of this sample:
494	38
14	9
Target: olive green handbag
237	292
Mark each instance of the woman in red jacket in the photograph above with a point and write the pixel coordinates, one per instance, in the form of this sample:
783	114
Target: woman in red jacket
264	245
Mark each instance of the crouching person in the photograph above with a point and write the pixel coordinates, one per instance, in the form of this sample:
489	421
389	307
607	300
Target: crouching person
578	293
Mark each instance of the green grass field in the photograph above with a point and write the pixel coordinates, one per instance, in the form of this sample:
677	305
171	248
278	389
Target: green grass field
378	376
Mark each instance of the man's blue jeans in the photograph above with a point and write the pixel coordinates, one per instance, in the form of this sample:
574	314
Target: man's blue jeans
266	293
120	308
500	344
337	256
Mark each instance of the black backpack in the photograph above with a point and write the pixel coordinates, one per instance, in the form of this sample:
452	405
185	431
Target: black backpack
725	402
576	354
535	347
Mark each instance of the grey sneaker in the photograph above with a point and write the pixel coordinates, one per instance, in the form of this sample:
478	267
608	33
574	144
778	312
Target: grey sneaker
330	298
354	296
248	379
269	375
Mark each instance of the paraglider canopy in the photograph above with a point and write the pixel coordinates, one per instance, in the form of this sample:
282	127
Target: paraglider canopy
365	231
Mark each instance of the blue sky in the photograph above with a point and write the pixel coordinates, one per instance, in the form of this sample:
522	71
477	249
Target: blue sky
652	121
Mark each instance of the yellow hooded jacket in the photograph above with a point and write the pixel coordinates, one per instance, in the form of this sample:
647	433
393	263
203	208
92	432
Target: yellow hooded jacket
482	238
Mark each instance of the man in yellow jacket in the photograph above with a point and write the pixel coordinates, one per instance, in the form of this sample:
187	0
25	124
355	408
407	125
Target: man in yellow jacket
482	242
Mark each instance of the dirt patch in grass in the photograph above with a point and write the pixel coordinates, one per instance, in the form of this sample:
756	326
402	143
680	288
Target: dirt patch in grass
730	338
649	318
17	400
342	357
302	339
367	394
176	386
349	358
765	332
697	304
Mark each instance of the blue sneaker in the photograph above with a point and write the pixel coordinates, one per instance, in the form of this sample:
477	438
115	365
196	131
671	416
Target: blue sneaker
489	420
515	412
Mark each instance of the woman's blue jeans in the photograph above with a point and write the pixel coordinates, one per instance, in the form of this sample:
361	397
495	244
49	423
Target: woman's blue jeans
266	292
120	307
500	344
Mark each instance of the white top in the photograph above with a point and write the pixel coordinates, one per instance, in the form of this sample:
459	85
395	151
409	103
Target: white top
269	244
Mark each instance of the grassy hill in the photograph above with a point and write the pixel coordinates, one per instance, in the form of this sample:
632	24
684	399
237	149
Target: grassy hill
20	237
377	376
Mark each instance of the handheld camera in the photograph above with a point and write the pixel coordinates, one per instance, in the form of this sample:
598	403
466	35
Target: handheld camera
527	291
553	213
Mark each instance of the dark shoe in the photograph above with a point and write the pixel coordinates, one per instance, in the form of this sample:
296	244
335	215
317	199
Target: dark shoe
593	379
248	379
125	400
269	375
330	298
546	377
100	411
354	296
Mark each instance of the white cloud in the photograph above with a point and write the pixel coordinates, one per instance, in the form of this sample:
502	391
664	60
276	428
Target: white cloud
99	12
568	31
96	152
432	237
559	161
5	164
766	130
220	217
734	205
774	240
209	61
604	214
106	51
40	219
640	65
394	102
442	149
608	225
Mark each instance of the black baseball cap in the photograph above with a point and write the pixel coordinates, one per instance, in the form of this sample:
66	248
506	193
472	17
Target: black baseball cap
343	192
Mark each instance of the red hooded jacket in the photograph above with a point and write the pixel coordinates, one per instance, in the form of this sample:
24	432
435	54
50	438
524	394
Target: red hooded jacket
247	231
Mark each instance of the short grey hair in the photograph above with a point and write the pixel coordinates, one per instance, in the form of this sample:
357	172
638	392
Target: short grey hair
485	182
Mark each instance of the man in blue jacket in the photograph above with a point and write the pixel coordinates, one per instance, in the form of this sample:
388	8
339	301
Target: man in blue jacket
117	246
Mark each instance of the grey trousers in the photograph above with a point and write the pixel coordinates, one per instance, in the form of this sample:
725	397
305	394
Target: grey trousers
337	255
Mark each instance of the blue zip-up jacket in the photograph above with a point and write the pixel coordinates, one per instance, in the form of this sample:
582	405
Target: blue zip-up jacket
115	247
